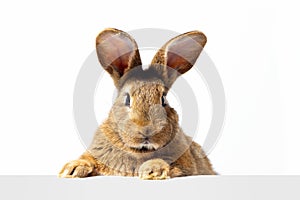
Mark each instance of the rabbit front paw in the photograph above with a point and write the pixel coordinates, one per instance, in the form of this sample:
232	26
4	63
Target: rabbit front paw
155	169
76	169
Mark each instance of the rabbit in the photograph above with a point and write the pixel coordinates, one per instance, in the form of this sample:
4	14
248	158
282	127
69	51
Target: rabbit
141	136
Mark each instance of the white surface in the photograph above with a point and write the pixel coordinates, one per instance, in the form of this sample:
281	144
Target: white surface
205	187
254	44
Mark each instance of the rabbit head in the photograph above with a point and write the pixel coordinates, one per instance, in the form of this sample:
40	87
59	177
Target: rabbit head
141	118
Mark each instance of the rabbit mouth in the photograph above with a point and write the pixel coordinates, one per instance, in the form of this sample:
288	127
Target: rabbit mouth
145	146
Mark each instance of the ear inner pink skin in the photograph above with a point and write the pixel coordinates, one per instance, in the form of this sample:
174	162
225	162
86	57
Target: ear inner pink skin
117	52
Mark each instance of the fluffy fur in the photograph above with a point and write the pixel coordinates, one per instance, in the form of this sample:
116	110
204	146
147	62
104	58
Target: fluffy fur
141	136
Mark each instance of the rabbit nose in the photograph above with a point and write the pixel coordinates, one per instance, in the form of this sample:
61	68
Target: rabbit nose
146	132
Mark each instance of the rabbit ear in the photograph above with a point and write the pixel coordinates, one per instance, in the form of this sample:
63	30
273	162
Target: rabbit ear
117	52
179	55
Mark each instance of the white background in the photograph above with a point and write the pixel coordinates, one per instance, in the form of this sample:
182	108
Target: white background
254	44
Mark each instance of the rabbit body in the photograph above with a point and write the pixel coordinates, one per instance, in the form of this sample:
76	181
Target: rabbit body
141	136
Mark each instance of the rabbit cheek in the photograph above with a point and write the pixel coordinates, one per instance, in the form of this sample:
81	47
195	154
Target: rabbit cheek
130	136
161	139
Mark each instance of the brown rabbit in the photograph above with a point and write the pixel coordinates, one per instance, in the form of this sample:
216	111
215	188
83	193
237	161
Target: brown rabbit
141	136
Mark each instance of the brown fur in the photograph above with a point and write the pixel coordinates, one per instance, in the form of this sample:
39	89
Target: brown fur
143	138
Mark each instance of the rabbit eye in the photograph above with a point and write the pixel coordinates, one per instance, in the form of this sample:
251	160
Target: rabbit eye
127	100
163	101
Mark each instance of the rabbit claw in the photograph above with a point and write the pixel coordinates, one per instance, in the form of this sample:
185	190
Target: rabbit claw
76	169
156	169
